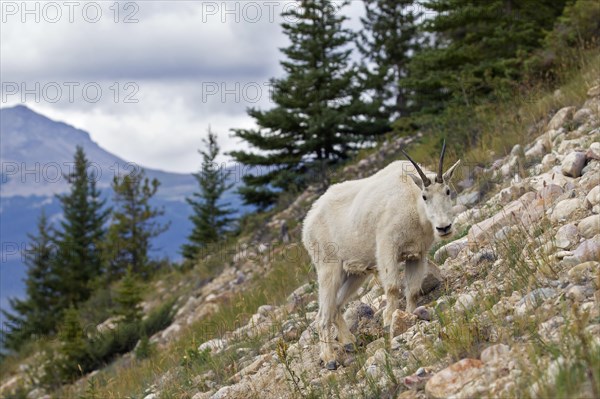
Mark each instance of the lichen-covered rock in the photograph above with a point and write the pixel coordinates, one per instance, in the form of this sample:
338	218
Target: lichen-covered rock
401	321
450	381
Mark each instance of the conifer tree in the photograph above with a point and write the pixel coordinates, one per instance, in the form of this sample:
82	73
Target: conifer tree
319	117
72	346
480	48
36	313
210	218
128	298
82	231
133	225
389	38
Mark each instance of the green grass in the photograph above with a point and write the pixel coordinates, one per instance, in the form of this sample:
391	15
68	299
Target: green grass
120	380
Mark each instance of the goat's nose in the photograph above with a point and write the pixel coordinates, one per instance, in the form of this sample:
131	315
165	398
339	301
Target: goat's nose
444	229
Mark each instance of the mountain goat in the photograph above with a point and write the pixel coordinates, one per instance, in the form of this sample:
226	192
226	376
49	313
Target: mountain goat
378	223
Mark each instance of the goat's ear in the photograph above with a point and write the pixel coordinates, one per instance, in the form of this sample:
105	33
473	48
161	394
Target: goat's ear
448	175
417	180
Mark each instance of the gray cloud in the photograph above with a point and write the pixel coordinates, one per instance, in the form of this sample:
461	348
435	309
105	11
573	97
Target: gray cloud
187	64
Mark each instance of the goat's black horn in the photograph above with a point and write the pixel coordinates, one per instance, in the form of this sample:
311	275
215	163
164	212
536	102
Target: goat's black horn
426	181
439	178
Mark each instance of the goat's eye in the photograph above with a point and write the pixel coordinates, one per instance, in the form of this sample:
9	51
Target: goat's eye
424	198
448	192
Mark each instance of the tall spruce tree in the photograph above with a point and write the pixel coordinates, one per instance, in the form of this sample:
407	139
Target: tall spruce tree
133	225
35	314
210	218
79	258
389	38
480	48
318	117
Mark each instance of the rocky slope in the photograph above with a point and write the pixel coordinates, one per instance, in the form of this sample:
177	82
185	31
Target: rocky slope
510	307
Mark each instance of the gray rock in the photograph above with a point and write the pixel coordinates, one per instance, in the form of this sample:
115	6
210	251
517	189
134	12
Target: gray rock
573	164
485	255
423	313
432	279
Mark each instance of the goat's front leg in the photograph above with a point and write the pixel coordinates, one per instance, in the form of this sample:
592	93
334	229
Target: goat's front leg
413	280
389	274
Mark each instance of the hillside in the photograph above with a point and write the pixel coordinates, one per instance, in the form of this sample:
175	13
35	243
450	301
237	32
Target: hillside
510	306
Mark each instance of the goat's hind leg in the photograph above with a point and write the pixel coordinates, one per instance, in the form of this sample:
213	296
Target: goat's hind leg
330	276
351	284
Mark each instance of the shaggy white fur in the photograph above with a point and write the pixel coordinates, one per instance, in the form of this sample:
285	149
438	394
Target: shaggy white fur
385	222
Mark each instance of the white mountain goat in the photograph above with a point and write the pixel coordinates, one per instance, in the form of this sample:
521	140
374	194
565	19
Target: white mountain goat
382	222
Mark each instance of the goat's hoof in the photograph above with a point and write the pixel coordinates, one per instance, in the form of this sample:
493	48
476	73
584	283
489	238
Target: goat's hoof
332	365
350	348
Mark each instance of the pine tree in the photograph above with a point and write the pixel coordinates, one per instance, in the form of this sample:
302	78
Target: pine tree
36	314
480	48
389	38
210	218
72	346
82	230
128	298
318	118
133	225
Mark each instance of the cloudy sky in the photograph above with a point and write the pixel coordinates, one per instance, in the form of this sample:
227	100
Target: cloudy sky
145	78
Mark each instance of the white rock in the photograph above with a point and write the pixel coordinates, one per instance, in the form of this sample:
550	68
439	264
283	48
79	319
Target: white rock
536	151
565	208
573	164
549	161
566	236
561	117
594	151
588	250
589	226
464	302
594	91
593	197
450	250
582	116
494	353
